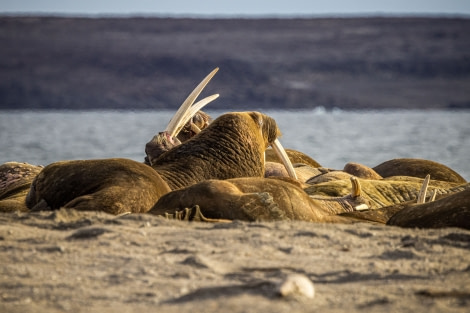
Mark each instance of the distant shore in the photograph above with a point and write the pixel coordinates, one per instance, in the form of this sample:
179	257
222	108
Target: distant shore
148	63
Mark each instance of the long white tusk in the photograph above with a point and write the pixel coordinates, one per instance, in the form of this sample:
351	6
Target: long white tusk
424	189
281	153
191	112
176	120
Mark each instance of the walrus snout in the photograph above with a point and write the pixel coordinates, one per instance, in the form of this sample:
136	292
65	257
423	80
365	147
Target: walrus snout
158	145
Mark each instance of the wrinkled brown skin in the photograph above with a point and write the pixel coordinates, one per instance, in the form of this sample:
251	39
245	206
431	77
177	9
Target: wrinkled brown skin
251	199
294	156
162	142
232	146
15	181
418	168
450	211
381	193
111	185
383	215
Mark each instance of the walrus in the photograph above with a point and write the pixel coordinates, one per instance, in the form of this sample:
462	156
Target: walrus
384	214
418	168
450	211
382	193
258	199
15	181
361	171
231	146
112	185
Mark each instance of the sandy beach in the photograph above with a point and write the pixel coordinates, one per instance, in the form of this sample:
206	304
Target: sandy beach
70	261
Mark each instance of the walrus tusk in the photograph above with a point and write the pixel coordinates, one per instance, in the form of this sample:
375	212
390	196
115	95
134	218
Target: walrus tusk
355	187
281	153
191	112
424	189
180	114
195	129
433	196
356	191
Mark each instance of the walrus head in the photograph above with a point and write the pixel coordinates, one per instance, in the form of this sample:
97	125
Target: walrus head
186	122
163	141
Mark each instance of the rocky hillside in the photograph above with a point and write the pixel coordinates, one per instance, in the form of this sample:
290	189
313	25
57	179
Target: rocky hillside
153	63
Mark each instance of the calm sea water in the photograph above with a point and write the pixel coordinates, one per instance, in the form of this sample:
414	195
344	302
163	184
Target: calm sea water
331	138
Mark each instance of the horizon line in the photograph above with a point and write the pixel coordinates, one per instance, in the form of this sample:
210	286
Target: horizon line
235	16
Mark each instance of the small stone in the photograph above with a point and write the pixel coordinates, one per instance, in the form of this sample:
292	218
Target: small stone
297	285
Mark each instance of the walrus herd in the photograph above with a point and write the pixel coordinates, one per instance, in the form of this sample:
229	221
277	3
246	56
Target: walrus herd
233	167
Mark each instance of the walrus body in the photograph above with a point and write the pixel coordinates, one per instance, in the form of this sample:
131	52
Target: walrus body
15	181
418	168
253	199
450	211
111	185
381	193
232	146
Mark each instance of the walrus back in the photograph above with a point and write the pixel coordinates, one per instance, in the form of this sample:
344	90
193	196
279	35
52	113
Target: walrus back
111	185
232	146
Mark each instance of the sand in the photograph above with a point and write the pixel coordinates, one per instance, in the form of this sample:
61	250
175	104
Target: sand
69	261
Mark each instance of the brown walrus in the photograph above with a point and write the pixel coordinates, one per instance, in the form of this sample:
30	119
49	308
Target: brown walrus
231	146
111	185
361	171
382	193
15	180
258	199
449	211
418	168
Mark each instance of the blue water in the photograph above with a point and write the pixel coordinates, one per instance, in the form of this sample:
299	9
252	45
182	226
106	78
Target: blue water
331	138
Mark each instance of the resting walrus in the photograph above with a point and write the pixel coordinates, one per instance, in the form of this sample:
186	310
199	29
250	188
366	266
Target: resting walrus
231	146
418	168
259	199
15	180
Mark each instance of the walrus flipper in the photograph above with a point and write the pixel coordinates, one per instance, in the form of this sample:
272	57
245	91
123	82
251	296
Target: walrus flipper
194	214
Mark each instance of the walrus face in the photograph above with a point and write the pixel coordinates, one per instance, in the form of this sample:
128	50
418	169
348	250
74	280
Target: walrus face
159	144
267	126
197	123
164	141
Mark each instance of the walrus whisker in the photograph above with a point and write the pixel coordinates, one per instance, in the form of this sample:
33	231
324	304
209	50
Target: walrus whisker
179	115
424	188
281	153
